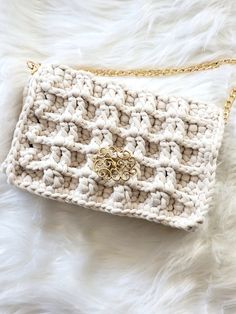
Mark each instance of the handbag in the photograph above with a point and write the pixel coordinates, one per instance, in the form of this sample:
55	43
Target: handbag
92	142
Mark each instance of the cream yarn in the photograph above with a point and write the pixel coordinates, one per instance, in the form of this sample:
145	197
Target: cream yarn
69	115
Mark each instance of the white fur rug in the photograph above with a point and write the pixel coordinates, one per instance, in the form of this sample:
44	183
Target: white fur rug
60	259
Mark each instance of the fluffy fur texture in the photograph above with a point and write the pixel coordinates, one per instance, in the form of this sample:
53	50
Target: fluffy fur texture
56	258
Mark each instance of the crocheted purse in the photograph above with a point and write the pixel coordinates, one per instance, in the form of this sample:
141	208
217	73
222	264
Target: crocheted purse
105	147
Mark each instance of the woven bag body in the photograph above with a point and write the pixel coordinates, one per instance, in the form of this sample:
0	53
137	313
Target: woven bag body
69	115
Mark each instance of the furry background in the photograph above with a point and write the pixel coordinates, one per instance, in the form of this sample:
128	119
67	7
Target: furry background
60	259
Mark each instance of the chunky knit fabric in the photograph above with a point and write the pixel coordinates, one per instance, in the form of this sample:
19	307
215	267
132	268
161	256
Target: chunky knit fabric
69	115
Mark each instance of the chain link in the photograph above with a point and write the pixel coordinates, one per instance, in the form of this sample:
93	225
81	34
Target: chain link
204	66
229	103
161	71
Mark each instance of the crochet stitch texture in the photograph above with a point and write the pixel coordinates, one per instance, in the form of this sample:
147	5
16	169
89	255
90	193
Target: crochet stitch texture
69	115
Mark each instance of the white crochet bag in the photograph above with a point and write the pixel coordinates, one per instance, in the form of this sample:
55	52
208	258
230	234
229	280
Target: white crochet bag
108	148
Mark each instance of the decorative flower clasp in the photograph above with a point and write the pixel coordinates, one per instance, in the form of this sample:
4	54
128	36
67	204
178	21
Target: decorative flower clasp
114	163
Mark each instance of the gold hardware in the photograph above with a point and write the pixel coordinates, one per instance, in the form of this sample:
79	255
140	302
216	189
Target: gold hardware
114	163
229	103
33	66
204	66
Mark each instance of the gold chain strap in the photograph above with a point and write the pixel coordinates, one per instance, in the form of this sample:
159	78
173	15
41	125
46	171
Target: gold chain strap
161	72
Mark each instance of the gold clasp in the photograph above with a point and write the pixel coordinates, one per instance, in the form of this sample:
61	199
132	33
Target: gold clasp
114	163
33	66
